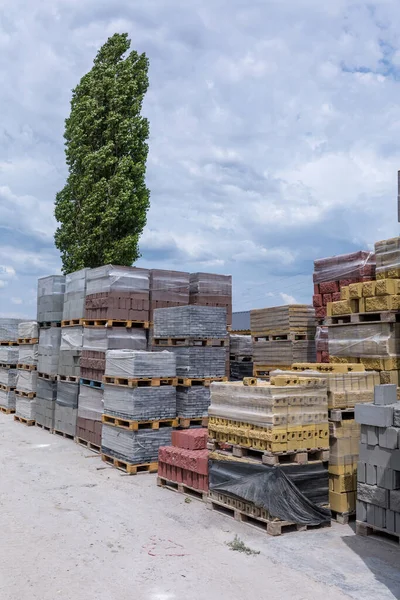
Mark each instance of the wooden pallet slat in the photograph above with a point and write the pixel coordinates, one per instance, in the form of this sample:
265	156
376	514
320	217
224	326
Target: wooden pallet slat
290	457
68	378
24	367
140	382
134	425
60	433
7	388
47	376
28	422
129	468
91	383
365	529
28	395
45	427
128	323
186	423
72	323
7	366
27	341
188	341
8	343
199	381
7	411
89	445
182	489
49	324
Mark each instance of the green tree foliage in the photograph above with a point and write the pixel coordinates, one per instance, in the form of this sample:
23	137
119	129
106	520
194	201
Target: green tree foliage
102	208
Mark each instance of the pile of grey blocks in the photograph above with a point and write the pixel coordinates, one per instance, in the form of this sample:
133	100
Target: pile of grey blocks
75	295
49	349
199	322
50	299
378	476
134	447
70	351
140	403
8	375
9	329
46	395
138	364
198	361
66	407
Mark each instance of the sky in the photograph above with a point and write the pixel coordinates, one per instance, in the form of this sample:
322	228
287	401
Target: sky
274	134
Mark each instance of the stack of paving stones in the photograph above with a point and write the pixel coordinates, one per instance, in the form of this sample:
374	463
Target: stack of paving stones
75	295
25	401
197	336
49	350
117	293
66	408
378	488
139	407
209	289
50	299
185	462
70	352
168	289
241	356
90	410
282	335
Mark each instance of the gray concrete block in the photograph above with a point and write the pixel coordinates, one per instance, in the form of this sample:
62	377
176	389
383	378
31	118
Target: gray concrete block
395	500
371	475
371	414
385	394
380	457
373	494
373	436
396	415
379	517
361	472
397	522
364	434
370	514
390	521
387	478
389	438
361	511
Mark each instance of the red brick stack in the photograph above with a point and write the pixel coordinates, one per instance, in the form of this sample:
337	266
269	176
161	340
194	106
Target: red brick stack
168	288
186	461
210	289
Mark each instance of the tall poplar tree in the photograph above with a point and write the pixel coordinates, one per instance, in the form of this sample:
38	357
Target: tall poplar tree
102	209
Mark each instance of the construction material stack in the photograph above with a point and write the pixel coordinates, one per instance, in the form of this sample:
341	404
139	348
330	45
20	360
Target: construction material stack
378	489
8	363
168	289
139	408
241	356
210	289
282	335
25	401
75	297
183	466
197	336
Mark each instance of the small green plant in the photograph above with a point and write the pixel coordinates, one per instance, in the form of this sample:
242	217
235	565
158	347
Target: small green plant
238	545
188	500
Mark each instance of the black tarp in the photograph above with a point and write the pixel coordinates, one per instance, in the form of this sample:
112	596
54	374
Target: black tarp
289	493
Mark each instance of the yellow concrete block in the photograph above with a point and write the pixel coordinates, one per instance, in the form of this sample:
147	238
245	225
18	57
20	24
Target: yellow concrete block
345	293
361	305
341	469
344	307
341	483
342	503
355	290
368	289
377	304
386	287
390	377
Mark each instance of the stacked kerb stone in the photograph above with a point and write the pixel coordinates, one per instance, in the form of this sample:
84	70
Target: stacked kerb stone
209	289
241	356
282	335
197	336
8	363
183	466
139	408
25	401
378	489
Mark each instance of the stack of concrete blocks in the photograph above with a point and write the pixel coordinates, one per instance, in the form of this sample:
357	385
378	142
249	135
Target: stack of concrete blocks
210	289
197	335
70	352
282	335
25	402
241	356
49	350
185	462
75	295
46	395
335	272
90	410
117	293
66	408
8	377
321	344
129	394
50	299
168	289
378	488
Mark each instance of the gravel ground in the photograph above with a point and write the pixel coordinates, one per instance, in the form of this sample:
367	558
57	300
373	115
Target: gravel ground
75	529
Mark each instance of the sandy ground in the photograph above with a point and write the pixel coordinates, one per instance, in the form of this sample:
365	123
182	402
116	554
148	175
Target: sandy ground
73	528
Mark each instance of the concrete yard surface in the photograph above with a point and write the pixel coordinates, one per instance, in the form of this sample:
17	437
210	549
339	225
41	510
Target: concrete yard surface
73	528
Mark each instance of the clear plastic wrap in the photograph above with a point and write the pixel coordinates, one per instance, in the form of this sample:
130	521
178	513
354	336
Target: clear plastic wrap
141	403
71	338
283	352
8	377
135	447
114	278
387	258
65	418
9	329
25	408
45	412
321	339
27	381
169	286
49	349
241	345
28	330
67	394
28	354
198	361
345	266
282	319
50	298
192	402
75	295
114	338
7	399
46	389
90	403
210	284
190	321
76	281
369	340
9	355
132	363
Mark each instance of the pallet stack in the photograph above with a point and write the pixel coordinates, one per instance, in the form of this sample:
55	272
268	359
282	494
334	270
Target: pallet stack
51	291
241	356
197	336
378	490
282	335
210	289
168	289
26	386
8	363
139	408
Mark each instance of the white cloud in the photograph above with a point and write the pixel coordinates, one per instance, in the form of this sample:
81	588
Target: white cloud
287	298
16	300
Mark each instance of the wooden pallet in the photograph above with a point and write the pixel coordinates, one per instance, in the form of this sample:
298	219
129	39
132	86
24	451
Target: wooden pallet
88	445
185	423
28	422
302	456
329	367
6	388
343	518
365	530
72	323
387	316
23	341
272	527
68	378
69	436
28	395
340	414
199	381
49	323
7	411
8	343
129	468
134	382
47	376
187	341
263	371
116	323
7	366
182	489
91	383
49	429
24	367
132	425
292	336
